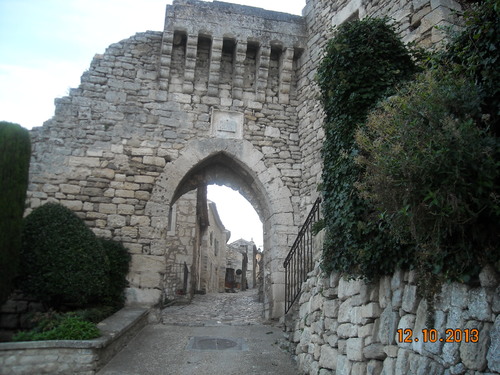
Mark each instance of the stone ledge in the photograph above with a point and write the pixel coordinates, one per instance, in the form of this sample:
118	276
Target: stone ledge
117	330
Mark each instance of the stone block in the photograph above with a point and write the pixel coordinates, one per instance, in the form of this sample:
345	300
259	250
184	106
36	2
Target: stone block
389	366
316	303
138	296
473	354
366	330
420	324
107	208
397	279
371	310
129	232
124	193
385	292
388	324
147	263
345	311
391	350
406	322
73	205
328	357
374	367
493	356
70	189
125	209
154	160
410	299
144	179
374	351
331	308
479	308
402	361
347	330
76	161
354	349
348	288
344	366
117	221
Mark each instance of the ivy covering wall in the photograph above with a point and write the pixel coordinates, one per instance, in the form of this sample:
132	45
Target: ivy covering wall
362	63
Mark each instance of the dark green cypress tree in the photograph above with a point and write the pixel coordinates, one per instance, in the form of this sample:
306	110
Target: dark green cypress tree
15	152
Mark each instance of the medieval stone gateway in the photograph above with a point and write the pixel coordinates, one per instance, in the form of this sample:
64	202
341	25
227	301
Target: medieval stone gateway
224	94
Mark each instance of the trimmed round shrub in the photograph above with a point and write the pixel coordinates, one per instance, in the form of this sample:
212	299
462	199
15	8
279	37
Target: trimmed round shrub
119	260
63	262
15	152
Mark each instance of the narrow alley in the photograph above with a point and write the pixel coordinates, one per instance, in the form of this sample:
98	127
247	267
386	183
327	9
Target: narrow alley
218	333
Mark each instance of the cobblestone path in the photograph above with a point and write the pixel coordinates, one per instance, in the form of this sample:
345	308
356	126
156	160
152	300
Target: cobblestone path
214	309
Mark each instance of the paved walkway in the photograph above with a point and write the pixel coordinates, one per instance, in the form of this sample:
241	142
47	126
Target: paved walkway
217	334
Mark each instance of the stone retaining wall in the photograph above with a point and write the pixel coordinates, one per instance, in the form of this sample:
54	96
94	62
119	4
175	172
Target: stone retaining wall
72	357
351	327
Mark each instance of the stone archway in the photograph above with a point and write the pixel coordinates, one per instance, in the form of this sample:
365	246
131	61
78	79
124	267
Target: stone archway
240	165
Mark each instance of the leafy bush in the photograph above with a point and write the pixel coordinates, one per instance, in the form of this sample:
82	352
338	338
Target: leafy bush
62	260
475	53
119	260
15	152
362	63
434	174
59	327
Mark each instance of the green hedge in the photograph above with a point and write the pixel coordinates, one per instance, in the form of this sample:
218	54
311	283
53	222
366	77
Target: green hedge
119	260
15	152
63	262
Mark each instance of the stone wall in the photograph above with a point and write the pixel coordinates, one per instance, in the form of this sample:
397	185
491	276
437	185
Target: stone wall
160	113
351	327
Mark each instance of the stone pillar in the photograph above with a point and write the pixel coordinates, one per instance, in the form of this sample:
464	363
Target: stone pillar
239	59
262	73
286	72
191	50
214	72
166	59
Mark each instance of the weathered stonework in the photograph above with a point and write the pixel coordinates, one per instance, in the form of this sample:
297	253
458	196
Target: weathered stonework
226	94
351	327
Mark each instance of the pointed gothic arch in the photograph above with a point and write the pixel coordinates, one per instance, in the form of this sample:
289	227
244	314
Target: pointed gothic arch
239	164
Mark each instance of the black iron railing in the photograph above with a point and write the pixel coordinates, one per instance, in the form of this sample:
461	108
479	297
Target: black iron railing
299	261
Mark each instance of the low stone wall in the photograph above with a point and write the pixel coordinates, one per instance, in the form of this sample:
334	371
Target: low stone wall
351	327
70	357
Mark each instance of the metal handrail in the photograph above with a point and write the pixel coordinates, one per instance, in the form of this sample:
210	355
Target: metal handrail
299	261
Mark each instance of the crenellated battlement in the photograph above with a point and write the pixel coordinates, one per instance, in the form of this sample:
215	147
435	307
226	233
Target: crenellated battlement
209	45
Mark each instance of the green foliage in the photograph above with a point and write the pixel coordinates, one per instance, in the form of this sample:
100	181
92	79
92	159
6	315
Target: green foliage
15	152
62	260
362	63
434	175
119	260
475	53
54	326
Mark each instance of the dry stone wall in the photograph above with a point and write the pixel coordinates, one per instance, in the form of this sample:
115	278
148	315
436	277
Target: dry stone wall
351	327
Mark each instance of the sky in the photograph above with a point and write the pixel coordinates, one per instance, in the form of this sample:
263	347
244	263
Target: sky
46	45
